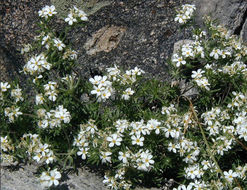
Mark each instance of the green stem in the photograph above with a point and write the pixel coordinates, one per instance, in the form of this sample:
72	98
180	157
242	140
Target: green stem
67	138
207	144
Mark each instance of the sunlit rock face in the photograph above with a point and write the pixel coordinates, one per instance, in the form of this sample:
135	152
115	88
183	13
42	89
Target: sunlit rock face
230	13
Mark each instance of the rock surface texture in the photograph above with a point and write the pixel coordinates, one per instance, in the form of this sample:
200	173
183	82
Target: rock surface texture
24	178
230	13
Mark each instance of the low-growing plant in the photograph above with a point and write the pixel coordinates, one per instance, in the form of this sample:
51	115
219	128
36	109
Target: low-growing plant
140	131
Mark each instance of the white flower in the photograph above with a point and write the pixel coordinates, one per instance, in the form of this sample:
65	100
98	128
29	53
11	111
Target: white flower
59	44
43	149
123	157
180	18
36	65
230	175
187	52
82	15
192	172
17	94
12	113
136	71
53	177
141	166
4	143
127	93
185	13
39	99
96	80
26	48
52	95
73	55
50	86
197	74
154	124
215	53
51	10
38	157
178	60
45	39
50	157
173	147
104	81
4	86
147	159
83	152
47	11
114	140
105	157
44	179
62	114
98	90
91	127
183	187
113	72
203	82
70	19
138	140
206	164
168	110
105	94
37	78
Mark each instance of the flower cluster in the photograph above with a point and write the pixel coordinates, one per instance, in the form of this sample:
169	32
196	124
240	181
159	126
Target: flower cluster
53	118
37	65
200	80
188	51
17	94
47	11
91	138
51	90
76	15
185	13
221	136
36	150
6	147
130	76
117	181
102	86
12	113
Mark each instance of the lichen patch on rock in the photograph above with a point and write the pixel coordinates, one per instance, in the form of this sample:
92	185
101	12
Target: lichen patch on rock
105	39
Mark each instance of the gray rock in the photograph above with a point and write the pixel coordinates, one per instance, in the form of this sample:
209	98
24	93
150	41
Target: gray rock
243	33
230	13
25	177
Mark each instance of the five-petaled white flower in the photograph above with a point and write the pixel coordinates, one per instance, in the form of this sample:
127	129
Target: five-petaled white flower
70	19
230	175
138	140
105	157
83	152
114	139
59	44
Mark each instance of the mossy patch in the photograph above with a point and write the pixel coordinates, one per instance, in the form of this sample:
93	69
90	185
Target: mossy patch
89	6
